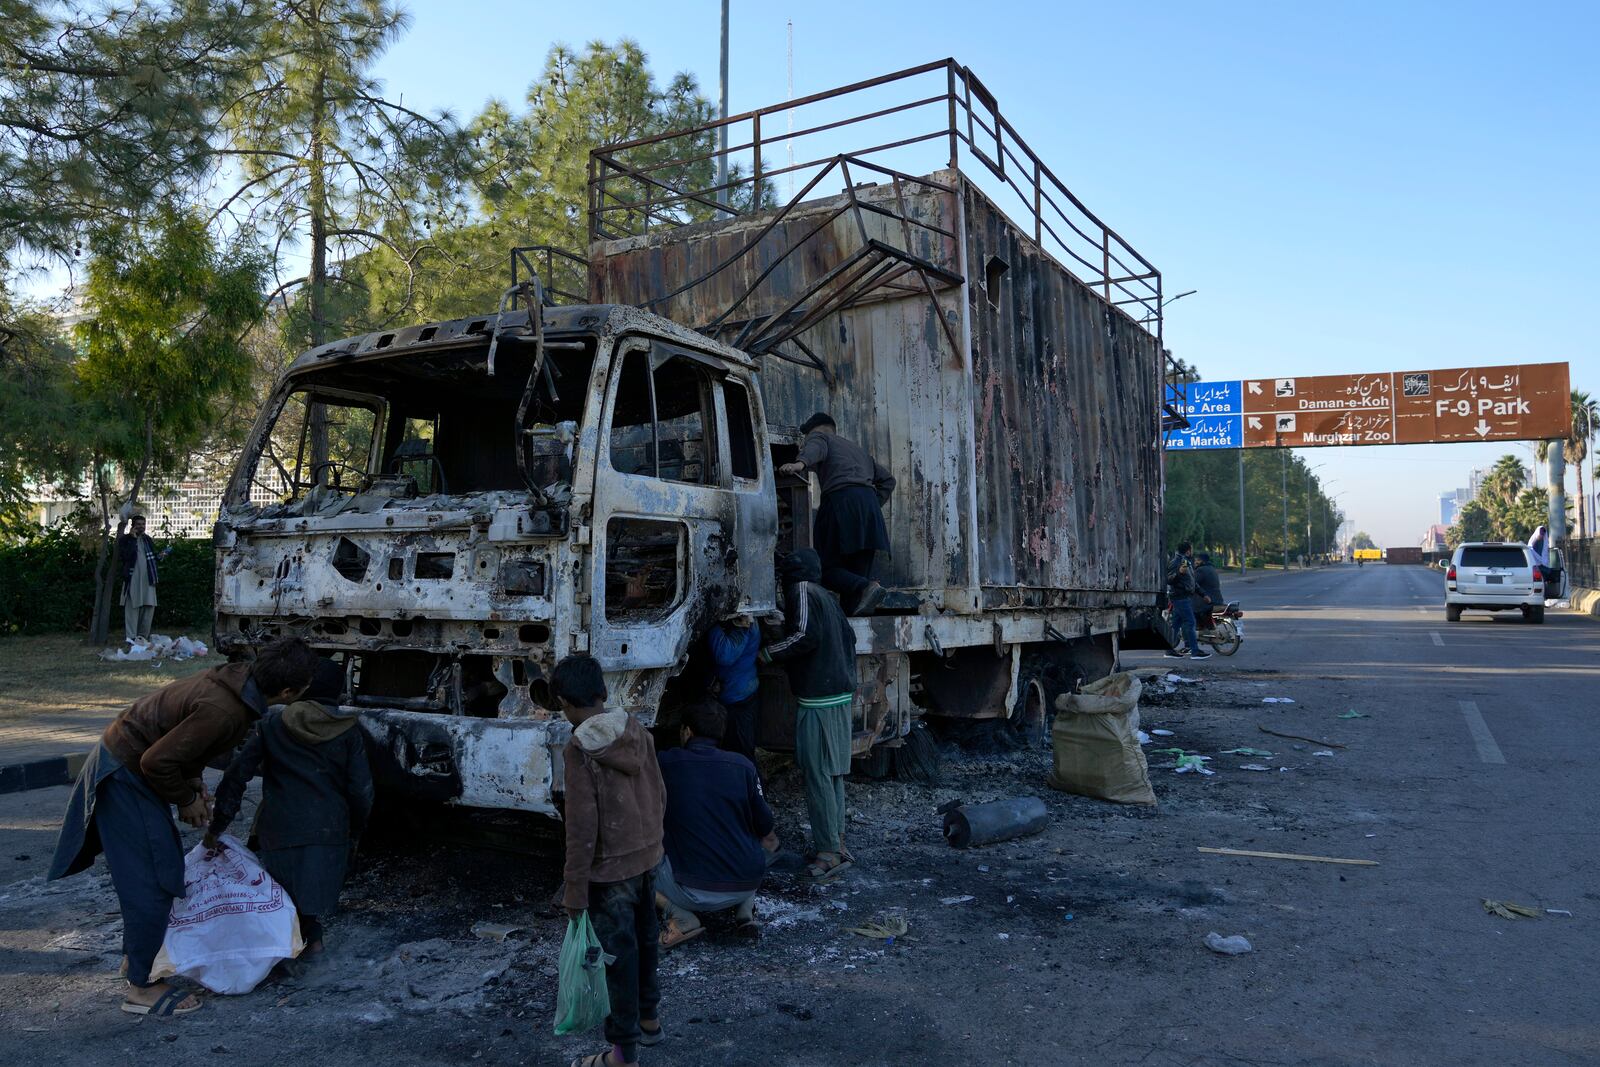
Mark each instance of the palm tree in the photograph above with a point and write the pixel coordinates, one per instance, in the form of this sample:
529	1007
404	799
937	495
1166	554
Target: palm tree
1506	479
1585	416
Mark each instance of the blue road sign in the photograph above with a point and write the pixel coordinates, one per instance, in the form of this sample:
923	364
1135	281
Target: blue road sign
1209	431
1208	398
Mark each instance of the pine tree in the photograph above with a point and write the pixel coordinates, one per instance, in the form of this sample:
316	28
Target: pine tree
105	110
331	168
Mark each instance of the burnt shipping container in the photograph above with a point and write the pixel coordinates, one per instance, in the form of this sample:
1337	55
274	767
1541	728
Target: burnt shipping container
1023	431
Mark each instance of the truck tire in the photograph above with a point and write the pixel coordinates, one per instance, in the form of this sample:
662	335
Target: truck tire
1452	613
1050	670
915	759
1536	614
918	759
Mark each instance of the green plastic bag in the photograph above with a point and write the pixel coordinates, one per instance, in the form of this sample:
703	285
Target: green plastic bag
582	1001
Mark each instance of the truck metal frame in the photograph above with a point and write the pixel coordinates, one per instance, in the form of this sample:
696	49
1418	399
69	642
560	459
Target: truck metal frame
466	502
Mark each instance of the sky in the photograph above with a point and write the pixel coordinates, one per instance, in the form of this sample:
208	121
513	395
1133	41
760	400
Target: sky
1353	188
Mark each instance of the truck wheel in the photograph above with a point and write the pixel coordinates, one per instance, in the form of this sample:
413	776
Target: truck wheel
1536	614
1452	613
918	759
875	765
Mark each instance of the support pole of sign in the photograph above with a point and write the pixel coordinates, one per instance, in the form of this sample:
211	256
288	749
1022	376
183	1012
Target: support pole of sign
1557	520
1284	452
1241	514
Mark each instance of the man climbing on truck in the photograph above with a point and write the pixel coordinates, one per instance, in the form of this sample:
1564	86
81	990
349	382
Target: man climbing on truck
849	530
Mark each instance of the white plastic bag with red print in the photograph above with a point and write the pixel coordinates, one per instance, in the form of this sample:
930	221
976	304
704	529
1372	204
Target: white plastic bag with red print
233	925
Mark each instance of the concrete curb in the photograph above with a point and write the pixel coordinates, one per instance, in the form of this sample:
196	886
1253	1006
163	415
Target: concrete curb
1586	601
41	773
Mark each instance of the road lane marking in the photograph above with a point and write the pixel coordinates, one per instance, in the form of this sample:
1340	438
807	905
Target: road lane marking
1438	640
1488	751
1422	608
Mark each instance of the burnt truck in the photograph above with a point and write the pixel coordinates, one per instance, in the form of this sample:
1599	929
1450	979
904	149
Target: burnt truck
450	508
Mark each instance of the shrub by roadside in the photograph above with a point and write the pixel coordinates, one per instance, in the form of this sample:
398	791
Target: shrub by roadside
47	585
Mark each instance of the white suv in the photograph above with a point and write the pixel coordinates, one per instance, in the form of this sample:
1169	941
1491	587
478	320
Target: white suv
1494	576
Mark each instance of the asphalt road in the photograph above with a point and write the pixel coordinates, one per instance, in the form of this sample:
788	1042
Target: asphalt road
1469	774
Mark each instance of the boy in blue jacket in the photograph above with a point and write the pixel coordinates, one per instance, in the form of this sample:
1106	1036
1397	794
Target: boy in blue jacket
717	831
734	646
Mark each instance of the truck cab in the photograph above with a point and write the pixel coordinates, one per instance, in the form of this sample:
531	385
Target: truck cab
451	508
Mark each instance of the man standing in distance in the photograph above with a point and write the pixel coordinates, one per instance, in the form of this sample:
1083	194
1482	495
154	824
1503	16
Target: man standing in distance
137	559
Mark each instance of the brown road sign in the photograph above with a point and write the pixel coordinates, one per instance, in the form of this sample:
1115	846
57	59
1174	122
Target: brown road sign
1322	392
1514	403
1507	403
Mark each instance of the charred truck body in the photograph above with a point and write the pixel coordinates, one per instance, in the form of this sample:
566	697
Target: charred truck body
460	504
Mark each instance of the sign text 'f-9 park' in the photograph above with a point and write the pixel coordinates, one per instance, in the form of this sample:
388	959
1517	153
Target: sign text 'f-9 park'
1527	402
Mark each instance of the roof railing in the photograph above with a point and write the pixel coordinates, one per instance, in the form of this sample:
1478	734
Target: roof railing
671	179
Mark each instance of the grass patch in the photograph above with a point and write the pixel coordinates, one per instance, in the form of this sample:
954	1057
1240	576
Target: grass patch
55	673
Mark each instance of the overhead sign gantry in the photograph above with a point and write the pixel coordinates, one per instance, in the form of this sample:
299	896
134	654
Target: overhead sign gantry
1522	402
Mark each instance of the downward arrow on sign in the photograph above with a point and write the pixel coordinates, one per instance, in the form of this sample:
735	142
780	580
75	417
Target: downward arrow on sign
1483	428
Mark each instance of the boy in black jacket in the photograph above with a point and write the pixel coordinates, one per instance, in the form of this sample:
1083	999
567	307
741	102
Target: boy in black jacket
818	650
316	796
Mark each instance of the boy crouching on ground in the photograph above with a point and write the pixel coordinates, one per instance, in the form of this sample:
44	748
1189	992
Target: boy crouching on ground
614	807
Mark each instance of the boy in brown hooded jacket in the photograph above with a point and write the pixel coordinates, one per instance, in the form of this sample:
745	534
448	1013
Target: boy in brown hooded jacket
615	802
149	761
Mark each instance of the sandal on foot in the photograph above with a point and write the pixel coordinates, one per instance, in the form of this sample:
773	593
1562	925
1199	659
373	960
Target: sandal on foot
673	935
821	871
651	1037
166	1005
594	1059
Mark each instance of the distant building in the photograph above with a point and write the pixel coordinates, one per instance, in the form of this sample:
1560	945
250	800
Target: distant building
173	507
1434	539
1448	507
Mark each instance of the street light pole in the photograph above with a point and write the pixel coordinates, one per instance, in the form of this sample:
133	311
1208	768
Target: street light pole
1187	292
1284	452
722	113
1241	515
1309	469
1325	487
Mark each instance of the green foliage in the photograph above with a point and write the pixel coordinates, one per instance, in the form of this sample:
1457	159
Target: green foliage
330	165
530	186
1505	509
1527	513
1575	449
163	342
1362	539
1474	522
187	587
43	434
47	585
105	108
1202	504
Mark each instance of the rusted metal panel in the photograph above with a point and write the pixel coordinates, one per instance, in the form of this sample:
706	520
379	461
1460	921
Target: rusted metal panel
647	270
1067	437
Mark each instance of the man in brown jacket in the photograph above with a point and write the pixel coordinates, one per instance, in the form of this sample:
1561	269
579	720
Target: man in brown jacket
615	803
149	760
